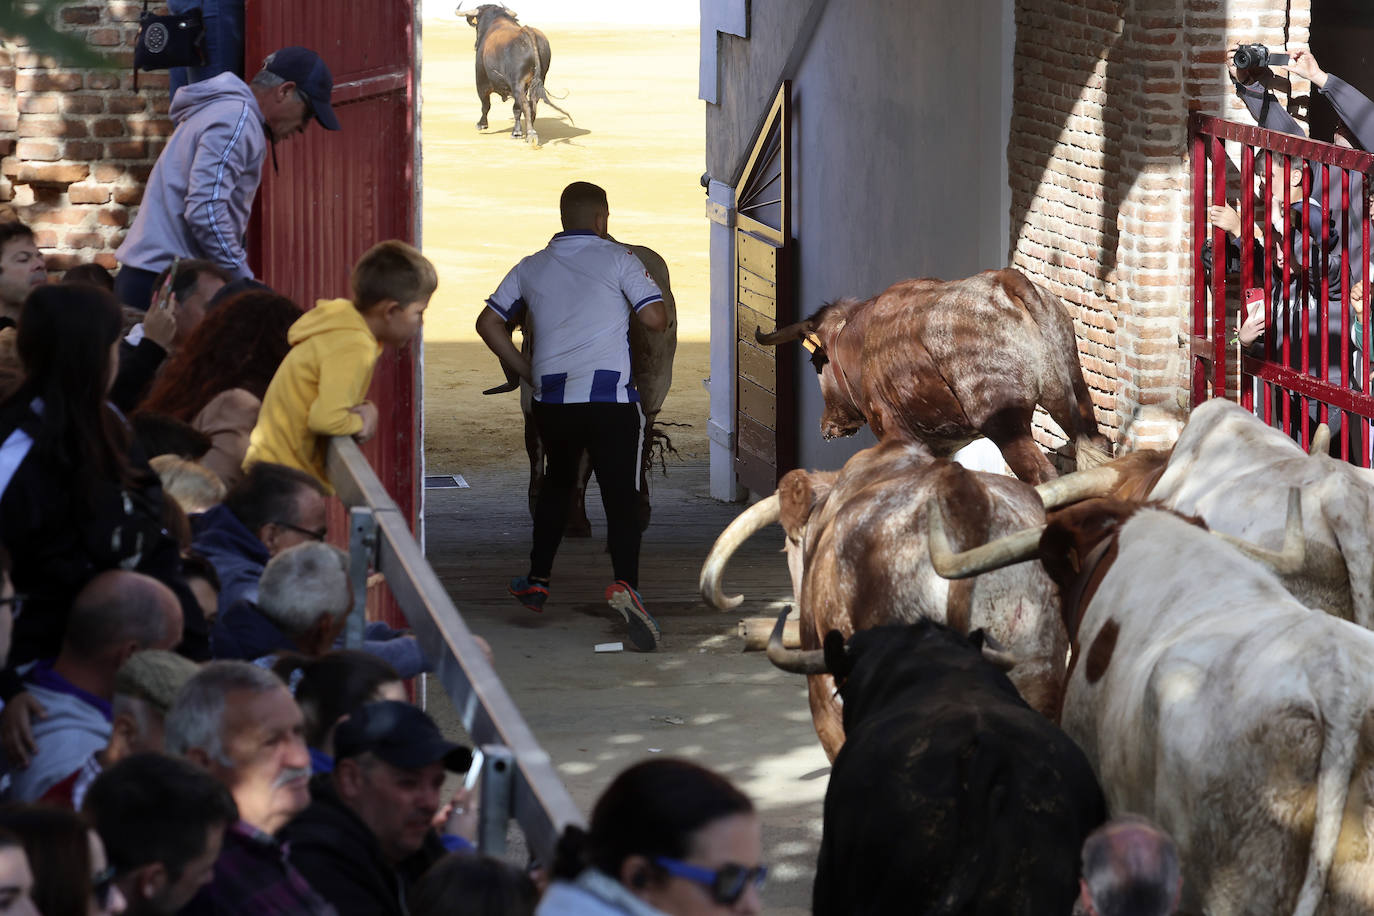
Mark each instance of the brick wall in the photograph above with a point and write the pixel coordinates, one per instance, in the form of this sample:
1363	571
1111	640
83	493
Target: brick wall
76	146
1100	180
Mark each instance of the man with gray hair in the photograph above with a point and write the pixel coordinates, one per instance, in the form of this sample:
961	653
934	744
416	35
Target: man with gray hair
144	690
200	193
117	614
1130	868
304	596
240	723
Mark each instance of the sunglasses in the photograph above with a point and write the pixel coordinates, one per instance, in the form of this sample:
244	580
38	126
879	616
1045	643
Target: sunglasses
315	534
102	885
727	884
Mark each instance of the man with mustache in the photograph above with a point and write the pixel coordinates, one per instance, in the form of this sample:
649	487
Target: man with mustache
367	836
241	724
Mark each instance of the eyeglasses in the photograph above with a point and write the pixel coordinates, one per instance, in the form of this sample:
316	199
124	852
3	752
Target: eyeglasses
15	603
727	884
315	534
102	886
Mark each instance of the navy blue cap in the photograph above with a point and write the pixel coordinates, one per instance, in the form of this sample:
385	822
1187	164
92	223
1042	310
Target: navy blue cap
399	734
307	70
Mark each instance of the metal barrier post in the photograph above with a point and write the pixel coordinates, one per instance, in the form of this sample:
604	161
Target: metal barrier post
498	797
362	551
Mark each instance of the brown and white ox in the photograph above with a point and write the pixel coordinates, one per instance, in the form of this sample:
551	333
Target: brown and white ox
855	545
944	362
512	60
651	366
1209	699
1233	471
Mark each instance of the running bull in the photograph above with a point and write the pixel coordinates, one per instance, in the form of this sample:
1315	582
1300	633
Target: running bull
951	795
855	545
1209	699
946	362
1233	471
512	60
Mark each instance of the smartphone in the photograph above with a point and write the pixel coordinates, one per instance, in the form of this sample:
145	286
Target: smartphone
165	295
475	770
1254	301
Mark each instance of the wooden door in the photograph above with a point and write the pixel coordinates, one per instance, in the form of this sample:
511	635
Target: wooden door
765	400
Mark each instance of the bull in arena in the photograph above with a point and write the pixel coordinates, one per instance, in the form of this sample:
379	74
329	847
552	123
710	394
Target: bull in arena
651	365
855	545
512	60
946	362
1210	700
951	795
1233	471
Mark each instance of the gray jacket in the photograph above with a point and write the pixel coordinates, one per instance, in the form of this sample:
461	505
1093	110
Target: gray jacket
201	190
592	894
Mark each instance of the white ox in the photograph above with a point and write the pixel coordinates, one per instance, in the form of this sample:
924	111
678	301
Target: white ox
1210	700
1233	471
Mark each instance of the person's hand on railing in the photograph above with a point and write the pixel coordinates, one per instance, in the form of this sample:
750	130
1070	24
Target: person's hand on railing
1303	64
459	816
1224	217
368	411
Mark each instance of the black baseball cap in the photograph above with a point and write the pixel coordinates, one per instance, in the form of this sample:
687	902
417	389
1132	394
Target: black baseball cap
308	71
399	734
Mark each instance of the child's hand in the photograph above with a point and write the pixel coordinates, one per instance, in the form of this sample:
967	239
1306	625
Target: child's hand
368	411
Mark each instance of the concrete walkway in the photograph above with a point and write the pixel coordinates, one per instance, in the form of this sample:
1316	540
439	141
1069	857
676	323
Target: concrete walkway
698	697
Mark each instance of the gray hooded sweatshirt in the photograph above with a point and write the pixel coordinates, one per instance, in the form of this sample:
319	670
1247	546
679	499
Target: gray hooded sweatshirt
201	190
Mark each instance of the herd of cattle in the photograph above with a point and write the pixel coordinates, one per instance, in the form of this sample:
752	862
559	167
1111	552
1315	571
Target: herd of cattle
1183	635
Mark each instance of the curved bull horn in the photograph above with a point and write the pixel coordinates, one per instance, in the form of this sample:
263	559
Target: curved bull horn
1014	548
757	517
795	661
1321	440
1290	558
1071	488
782	335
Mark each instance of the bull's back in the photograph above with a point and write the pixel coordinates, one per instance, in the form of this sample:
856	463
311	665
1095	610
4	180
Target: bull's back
984	808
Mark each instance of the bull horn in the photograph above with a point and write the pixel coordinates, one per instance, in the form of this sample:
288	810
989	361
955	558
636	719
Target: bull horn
794	661
1071	488
782	335
1014	548
1321	440
1289	559
757	517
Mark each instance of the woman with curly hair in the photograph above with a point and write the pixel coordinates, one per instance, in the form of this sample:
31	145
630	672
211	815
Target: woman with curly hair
217	378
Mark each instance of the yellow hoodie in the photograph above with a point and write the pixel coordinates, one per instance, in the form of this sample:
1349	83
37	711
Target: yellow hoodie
327	373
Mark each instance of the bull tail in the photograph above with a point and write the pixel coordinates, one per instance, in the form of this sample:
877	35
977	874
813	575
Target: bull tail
537	91
1340	744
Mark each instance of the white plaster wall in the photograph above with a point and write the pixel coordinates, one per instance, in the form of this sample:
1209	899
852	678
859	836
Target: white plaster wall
901	119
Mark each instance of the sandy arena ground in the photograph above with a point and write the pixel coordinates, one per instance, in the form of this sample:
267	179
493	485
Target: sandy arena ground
490	200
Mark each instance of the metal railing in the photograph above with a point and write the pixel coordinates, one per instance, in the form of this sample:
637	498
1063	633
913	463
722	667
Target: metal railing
518	778
1313	363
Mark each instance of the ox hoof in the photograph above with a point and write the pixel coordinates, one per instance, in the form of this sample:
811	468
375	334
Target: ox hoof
534	139
481	125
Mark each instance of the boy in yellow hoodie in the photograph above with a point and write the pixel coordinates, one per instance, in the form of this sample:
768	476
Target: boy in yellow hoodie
318	389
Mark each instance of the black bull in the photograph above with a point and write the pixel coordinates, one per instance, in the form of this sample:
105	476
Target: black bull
651	365
512	60
950	795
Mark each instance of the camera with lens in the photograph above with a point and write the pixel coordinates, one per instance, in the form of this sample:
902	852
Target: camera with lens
1253	57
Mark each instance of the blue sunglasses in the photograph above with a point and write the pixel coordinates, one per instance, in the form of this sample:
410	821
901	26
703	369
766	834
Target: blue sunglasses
726	884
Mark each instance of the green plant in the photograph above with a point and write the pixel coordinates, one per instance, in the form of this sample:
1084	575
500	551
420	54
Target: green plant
31	22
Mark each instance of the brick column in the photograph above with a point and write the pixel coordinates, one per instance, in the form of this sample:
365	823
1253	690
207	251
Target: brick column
77	145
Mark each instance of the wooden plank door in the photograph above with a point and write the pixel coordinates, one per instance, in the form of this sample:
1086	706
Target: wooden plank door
765	401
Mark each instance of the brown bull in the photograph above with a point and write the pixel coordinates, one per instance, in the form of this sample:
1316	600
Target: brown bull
856	549
946	362
512	60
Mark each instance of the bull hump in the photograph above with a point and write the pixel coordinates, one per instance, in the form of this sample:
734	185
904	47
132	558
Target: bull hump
1100	652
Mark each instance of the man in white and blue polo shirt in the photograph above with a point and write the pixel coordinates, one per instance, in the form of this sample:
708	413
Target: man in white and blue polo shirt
575	297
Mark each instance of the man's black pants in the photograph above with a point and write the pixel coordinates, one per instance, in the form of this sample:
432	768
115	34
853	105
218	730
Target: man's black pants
612	435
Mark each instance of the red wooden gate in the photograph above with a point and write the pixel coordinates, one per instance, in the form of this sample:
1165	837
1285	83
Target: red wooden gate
1304	373
339	193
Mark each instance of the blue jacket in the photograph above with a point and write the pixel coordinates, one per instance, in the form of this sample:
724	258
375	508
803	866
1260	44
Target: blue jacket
235	552
244	632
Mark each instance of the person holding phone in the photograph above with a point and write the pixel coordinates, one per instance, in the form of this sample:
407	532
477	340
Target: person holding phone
368	834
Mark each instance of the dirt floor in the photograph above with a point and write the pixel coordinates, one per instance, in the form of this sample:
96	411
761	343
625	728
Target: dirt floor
489	200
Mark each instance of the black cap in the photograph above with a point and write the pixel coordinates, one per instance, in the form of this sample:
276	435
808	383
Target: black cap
398	734
307	70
